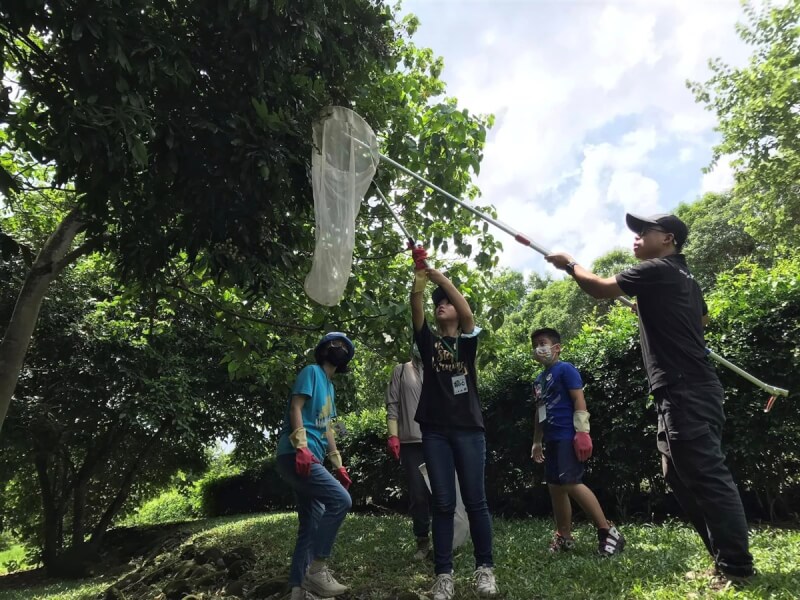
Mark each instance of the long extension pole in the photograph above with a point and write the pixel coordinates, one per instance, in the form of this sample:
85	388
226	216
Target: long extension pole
525	241
411	243
396	216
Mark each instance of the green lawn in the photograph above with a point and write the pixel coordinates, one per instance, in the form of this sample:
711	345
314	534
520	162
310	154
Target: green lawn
15	554
373	556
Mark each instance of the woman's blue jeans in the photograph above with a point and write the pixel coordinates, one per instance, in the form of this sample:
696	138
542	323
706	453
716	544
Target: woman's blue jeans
447	452
322	504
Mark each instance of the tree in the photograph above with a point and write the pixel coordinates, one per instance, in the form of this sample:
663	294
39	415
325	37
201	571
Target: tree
757	107
185	129
209	317
717	242
114	377
613	262
559	304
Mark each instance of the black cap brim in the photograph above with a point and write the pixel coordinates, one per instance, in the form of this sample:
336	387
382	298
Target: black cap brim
637	223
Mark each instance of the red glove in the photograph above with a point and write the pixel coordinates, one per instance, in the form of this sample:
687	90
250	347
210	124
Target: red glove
419	254
393	445
583	446
303	460
343	477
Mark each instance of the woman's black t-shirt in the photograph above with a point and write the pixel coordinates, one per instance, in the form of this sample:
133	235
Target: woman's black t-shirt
449	395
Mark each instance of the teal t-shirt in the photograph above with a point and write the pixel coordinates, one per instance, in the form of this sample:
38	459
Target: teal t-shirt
318	410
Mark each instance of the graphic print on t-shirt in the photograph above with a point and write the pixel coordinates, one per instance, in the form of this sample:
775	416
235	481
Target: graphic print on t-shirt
547	395
444	361
324	415
552	390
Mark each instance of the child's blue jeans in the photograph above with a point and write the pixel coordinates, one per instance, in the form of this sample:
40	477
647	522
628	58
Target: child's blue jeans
322	504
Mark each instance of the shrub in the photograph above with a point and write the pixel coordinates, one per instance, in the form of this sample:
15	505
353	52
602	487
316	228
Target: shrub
167	507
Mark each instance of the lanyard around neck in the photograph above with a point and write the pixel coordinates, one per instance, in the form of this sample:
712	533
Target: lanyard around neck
446	345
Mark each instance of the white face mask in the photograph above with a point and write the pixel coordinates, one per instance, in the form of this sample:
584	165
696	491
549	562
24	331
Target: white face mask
545	354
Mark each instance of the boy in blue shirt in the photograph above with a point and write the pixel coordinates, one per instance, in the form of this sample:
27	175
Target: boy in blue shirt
306	439
562	422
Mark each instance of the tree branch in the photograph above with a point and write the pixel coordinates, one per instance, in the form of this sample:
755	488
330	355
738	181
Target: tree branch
86	248
44	188
381	257
238	315
127	481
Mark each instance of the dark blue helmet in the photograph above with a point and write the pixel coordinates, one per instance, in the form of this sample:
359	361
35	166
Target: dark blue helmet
329	337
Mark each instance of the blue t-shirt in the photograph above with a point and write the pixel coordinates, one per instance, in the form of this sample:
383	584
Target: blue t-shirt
318	410
551	389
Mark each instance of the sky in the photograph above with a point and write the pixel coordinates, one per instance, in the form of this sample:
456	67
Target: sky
593	116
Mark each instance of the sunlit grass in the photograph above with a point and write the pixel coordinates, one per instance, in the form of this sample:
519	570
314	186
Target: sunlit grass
373	555
14	554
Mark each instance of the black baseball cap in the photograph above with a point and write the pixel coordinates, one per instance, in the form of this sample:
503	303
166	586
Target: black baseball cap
438	295
669	223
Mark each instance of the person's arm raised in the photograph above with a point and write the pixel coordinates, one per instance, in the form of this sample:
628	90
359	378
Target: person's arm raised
417	287
596	287
465	318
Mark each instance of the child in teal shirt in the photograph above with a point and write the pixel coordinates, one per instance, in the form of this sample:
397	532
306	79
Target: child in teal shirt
306	440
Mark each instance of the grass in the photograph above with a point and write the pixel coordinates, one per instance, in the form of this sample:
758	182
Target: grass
16	554
373	556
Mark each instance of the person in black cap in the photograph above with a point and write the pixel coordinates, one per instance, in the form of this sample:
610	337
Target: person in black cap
453	437
687	391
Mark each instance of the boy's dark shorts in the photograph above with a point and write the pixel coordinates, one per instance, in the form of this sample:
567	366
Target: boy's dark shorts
561	466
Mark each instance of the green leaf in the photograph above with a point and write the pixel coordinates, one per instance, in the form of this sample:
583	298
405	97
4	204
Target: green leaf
7	182
139	150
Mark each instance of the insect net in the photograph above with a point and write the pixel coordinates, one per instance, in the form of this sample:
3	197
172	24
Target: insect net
342	166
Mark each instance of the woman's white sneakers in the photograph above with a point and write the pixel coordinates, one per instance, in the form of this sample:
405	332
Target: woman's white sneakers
485	584
443	588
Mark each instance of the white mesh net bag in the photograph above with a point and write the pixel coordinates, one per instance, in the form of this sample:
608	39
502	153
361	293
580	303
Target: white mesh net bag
342	166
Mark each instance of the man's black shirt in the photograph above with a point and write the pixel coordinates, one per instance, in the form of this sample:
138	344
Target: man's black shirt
671	308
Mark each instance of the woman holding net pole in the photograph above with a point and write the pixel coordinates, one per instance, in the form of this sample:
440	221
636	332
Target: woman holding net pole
453	438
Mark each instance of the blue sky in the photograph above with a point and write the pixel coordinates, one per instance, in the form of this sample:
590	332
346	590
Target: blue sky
593	115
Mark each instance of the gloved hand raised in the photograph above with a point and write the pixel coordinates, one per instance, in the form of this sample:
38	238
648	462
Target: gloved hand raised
419	254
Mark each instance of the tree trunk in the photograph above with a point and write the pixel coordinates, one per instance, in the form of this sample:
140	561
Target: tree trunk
99	531
94	456
18	334
53	513
78	512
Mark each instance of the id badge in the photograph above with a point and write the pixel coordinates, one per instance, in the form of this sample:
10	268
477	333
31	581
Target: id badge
459	384
542	413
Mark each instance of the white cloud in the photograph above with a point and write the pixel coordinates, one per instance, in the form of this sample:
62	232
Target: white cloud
720	178
686	154
634	192
489	37
588	221
615	54
596	116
